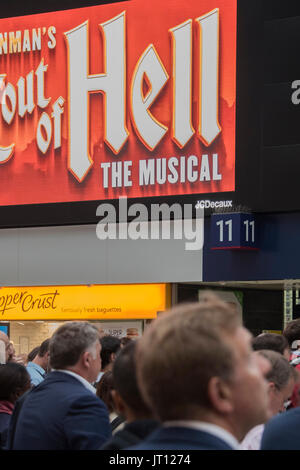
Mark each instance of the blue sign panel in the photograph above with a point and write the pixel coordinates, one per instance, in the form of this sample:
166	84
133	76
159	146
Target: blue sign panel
233	231
4	328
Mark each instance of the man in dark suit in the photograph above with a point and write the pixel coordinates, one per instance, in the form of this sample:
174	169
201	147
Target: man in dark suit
198	373
63	412
282	432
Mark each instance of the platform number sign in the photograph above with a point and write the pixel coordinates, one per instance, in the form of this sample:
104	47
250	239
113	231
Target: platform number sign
235	231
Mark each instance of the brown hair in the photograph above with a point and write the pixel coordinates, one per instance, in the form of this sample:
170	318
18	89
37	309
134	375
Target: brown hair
104	388
181	351
44	347
292	331
270	341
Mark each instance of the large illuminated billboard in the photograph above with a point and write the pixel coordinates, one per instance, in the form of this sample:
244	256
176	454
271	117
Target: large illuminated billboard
133	99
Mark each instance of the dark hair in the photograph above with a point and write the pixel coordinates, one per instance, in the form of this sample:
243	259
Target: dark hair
14	379
292	331
44	347
109	345
69	341
33	354
104	388
125	381
125	340
270	341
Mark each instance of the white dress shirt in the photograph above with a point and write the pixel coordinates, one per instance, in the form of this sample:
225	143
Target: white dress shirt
78	377
252	440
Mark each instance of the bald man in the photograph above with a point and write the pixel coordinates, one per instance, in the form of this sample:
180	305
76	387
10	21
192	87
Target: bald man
4	347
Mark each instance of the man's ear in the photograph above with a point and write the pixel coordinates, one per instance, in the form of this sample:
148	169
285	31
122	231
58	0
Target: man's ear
271	387
86	359
112	357
220	395
118	403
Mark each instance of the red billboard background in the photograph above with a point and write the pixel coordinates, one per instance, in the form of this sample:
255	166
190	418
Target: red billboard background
31	177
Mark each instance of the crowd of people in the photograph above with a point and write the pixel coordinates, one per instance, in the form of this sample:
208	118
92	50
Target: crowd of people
196	379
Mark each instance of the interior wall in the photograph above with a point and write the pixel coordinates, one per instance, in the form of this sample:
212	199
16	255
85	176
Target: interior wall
28	335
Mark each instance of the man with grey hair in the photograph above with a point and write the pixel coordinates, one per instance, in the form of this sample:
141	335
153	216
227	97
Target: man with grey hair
199	376
63	412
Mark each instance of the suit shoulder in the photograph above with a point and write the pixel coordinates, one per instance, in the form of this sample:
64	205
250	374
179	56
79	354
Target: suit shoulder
284	419
281	432
87	399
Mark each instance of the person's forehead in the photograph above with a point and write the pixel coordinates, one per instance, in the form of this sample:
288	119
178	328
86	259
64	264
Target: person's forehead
241	340
242	334
263	363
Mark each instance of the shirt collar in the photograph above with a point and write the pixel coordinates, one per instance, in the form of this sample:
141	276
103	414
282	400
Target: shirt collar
207	427
37	367
80	378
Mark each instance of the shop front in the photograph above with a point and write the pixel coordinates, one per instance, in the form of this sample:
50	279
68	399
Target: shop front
32	314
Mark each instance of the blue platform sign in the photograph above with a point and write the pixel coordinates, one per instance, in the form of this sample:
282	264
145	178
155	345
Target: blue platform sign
4	328
233	231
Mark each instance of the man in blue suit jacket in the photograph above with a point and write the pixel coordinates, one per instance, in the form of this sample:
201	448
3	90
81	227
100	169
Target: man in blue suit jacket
282	432
184	437
63	412
198	373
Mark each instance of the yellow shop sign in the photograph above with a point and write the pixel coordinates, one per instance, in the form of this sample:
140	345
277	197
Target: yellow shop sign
93	302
